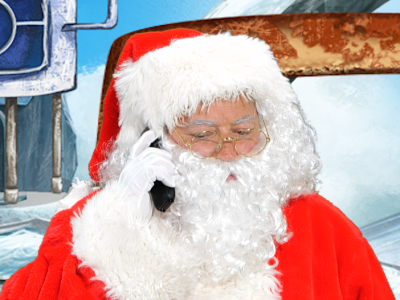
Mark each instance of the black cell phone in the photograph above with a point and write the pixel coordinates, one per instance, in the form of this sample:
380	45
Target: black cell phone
163	196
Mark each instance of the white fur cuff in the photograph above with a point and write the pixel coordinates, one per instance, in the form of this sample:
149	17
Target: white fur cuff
78	190
133	259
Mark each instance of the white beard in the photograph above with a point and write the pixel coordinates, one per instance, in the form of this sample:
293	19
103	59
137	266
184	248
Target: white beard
234	224
221	234
218	237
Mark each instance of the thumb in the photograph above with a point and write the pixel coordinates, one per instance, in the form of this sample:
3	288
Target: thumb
142	143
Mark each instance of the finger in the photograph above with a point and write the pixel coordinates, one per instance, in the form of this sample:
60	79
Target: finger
161	173
145	207
143	142
154	151
155	160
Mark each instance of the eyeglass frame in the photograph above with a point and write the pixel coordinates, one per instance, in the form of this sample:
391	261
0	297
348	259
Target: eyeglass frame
227	139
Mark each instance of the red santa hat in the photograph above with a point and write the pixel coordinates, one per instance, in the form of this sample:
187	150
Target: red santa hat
162	76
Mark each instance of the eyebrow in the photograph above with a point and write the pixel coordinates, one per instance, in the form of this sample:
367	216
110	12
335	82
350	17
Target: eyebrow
242	120
201	122
209	123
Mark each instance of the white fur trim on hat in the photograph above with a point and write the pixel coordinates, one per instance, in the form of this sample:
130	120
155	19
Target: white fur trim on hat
171	82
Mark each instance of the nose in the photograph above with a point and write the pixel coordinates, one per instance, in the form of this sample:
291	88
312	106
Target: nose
228	152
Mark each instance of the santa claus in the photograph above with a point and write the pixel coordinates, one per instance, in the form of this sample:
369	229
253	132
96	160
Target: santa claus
246	222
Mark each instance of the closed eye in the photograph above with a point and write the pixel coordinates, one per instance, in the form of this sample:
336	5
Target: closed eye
242	131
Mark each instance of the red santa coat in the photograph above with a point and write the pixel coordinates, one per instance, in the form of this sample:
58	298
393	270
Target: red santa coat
326	258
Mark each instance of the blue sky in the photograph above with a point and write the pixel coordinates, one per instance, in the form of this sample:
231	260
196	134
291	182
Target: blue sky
93	45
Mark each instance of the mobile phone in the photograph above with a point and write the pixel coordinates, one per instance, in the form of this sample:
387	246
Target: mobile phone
163	196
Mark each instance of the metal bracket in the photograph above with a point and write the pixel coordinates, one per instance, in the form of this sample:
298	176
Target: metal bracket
56	180
11	188
109	23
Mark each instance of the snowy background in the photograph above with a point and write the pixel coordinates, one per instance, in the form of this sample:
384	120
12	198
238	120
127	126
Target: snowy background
356	119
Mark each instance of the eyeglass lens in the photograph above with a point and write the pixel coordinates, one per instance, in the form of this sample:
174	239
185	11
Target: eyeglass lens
208	143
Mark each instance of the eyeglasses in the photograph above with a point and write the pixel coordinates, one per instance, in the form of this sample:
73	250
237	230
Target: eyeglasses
207	144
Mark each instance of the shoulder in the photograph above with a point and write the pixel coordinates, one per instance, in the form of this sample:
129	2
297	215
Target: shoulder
320	230
311	202
327	252
314	213
59	230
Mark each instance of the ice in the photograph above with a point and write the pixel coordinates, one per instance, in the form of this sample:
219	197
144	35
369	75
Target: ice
393	276
10	214
19	247
17	250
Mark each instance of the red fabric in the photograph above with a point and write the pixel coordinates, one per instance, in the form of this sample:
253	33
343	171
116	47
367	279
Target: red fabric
326	258
137	46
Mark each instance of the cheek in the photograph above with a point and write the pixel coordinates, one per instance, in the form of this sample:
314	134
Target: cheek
175	138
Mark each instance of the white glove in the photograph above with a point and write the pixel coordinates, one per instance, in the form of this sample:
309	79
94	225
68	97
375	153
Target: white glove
144	166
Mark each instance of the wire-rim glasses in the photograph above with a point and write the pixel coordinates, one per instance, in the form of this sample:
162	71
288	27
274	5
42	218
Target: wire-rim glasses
207	144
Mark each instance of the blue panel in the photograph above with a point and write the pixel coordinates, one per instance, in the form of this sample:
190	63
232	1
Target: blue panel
26	10
5	26
2	150
26	51
69	154
34	146
20	100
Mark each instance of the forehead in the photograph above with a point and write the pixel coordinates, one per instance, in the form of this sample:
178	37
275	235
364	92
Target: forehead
223	111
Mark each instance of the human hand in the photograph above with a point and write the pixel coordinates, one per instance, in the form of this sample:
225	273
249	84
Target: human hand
144	166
